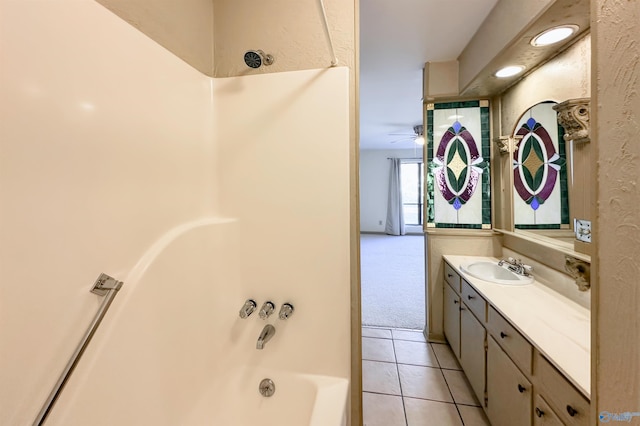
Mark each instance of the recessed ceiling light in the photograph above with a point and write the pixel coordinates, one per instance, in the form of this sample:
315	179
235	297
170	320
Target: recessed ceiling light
509	71
554	35
419	140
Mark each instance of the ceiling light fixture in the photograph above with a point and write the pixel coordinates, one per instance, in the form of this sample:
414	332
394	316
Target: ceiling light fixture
509	71
554	35
419	140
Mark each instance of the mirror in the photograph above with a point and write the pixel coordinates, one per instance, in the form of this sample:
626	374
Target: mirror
540	160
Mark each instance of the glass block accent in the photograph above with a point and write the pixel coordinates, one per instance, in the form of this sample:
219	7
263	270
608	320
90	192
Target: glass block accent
540	171
458	159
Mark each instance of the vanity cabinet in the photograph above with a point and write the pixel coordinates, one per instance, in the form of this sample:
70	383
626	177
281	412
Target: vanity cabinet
509	392
515	383
464	317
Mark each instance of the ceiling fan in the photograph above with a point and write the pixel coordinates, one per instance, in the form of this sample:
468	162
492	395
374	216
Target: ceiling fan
417	136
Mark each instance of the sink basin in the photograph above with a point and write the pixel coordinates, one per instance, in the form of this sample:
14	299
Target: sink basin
492	272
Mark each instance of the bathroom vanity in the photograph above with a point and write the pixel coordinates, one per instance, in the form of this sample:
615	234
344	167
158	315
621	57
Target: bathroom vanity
524	348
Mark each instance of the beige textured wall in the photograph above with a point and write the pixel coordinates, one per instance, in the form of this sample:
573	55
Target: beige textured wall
454	242
566	76
292	31
503	24
615	132
185	28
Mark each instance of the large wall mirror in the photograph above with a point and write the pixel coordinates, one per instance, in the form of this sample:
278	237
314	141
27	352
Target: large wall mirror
545	178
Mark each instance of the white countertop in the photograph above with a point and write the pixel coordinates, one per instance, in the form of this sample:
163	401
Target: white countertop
556	326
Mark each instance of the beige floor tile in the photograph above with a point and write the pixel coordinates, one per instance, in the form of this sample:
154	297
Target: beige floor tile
374	349
416	353
421	412
473	416
382	410
460	387
380	377
423	382
445	356
382	333
415	336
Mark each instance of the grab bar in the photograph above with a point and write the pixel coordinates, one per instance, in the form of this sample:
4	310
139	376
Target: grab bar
104	286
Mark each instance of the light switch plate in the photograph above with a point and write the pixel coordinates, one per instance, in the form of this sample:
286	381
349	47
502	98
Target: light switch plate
583	230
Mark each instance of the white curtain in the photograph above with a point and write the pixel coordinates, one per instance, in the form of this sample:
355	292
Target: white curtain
395	215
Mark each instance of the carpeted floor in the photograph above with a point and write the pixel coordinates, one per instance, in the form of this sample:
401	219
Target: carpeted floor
392	269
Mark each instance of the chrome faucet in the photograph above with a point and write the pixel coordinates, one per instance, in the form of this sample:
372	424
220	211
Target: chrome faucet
517	266
286	310
265	335
266	309
248	307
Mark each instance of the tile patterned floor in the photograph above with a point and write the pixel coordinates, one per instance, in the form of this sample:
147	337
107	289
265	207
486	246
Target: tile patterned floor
409	382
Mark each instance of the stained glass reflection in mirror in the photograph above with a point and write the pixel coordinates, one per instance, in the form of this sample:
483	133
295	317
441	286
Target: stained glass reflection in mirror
540	171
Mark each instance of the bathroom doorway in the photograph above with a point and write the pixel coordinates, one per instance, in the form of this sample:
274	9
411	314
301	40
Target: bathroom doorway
392	281
392	265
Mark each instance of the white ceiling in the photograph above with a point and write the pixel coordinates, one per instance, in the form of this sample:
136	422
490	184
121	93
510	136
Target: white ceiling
397	37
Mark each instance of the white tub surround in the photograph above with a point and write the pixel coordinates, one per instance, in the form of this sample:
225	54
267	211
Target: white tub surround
299	399
556	326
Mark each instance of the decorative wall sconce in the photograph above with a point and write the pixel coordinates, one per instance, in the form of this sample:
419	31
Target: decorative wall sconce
505	143
573	116
580	271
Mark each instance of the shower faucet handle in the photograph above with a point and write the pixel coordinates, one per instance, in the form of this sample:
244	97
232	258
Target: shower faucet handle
286	310
266	309
248	308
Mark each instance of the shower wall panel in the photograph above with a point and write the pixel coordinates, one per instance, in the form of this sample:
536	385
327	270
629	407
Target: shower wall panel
105	144
284	173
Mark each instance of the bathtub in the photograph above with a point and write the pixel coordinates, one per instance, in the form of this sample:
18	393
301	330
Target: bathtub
173	351
299	399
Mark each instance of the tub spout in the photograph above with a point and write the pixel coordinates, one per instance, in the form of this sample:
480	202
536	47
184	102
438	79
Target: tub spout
267	333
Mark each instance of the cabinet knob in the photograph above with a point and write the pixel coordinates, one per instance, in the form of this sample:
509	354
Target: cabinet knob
521	388
539	412
572	411
462	309
503	334
455	302
449	276
470	297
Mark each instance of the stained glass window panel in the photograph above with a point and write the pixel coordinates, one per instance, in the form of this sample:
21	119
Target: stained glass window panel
458	150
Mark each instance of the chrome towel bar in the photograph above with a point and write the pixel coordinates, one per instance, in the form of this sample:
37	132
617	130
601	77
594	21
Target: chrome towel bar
104	286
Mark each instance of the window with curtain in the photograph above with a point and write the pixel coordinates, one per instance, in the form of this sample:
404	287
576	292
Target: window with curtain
412	191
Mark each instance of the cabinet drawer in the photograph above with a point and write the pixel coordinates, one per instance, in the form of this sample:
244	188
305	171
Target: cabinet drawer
511	341
543	415
474	301
452	277
567	401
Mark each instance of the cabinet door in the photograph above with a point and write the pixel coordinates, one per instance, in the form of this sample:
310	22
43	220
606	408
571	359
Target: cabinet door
452	319
543	415
472	352
508	390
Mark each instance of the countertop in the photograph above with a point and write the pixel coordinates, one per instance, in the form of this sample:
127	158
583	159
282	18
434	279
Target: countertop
556	326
